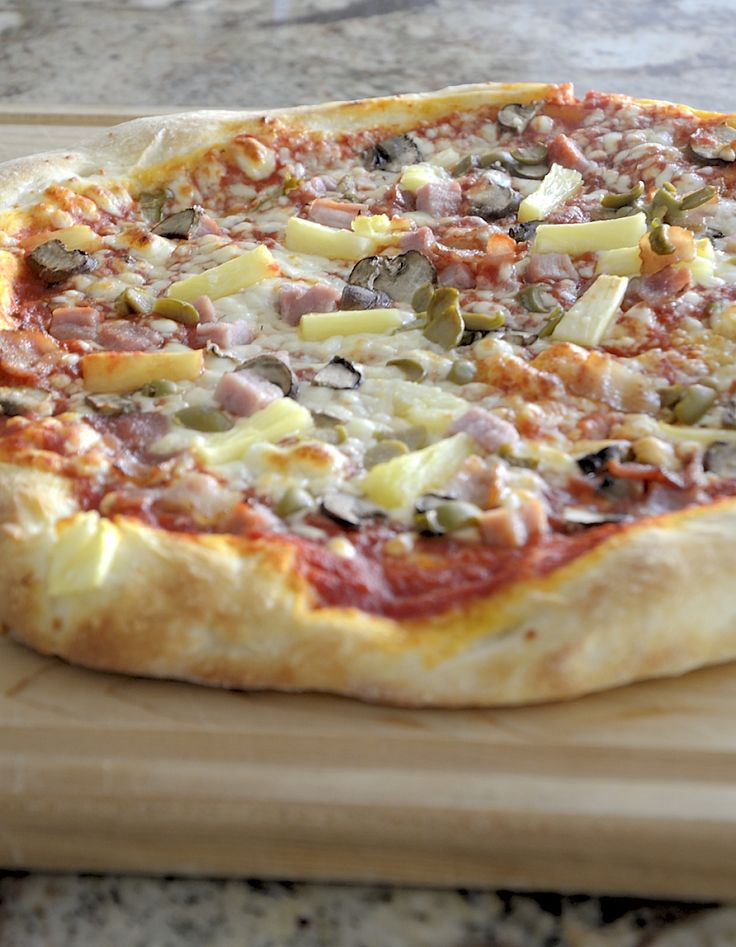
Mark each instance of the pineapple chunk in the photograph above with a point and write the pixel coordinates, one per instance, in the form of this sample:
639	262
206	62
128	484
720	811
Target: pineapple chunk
305	236
128	371
594	236
316	326
8	273
280	419
397	483
703	265
83	554
78	237
623	261
415	176
430	407
371	225
701	435
557	186
227	278
593	314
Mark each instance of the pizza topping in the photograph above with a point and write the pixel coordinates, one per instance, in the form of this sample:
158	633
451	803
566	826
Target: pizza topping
129	371
245	392
180	226
202	418
694	403
318	326
383	451
588	321
445	515
516	116
399	277
462	372
275	370
52	262
151	204
563	150
224	335
720	459
487	430
358	297
347	510
134	302
557	187
17	402
74	322
339	374
492	197
293	301
338	214
439	198
413	368
128	337
176	310
714	143
392	154
227	278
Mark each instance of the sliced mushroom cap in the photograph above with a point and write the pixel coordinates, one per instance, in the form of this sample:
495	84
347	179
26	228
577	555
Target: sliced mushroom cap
358	297
392	154
275	370
720	458
580	517
339	374
52	262
517	116
151	204
347	510
521	233
398	276
717	143
597	462
110	404
492	199
15	402
179	226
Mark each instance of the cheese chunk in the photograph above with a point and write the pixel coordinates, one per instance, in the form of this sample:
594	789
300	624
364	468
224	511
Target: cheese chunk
306	236
398	482
597	235
557	186
128	371
83	554
588	321
227	278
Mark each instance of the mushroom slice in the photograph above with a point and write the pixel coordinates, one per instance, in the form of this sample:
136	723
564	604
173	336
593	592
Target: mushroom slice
392	154
398	276
151	204
275	370
517	116
521	233
347	510
580	517
492	199
720	459
339	374
179	226
597	463
52	262
358	297
109	404
717	143
15	402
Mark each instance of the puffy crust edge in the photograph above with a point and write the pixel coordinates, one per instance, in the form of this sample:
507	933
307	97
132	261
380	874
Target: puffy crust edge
654	600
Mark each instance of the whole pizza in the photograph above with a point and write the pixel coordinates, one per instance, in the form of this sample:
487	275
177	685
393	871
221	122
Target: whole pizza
428	399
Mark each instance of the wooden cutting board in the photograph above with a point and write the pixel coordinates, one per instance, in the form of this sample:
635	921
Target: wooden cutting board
632	791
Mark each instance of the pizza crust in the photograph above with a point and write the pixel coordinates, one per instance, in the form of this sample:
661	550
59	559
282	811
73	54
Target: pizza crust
653	600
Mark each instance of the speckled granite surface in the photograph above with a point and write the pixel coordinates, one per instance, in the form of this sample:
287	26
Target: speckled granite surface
151	53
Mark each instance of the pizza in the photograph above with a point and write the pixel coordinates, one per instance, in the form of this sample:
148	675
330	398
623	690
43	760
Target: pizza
428	399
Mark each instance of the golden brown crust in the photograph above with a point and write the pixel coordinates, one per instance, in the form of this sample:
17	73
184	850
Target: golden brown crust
651	601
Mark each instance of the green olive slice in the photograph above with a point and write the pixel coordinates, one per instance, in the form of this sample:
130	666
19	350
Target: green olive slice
413	368
442	298
158	388
446	517
176	309
694	404
549	327
616	201
205	419
464	165
293	500
132	301
536	298
383	451
462	372
422	297
696	198
446	329
658	239
483	321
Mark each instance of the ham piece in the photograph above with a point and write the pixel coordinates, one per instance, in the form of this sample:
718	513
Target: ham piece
458	275
549	267
420	239
206	309
74	322
563	150
338	214
120	336
487	430
439	198
244	392
294	301
224	334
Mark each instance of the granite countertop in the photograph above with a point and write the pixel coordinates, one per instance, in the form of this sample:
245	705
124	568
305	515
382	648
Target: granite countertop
228	53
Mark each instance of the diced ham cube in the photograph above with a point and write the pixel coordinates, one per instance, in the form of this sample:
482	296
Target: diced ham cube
563	150
338	214
439	198
294	301
458	275
313	188
119	336
549	267
244	392
487	430
206	309
224	334
207	225
421	239
514	527
74	322
660	287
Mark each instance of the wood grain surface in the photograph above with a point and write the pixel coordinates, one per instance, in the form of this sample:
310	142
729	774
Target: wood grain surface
633	791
